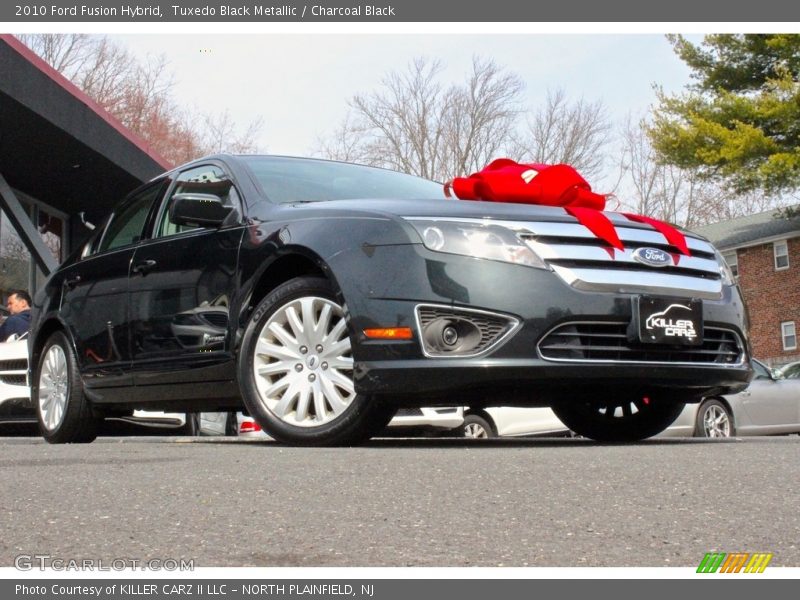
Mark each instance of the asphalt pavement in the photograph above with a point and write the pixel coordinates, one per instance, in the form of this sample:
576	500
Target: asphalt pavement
401	502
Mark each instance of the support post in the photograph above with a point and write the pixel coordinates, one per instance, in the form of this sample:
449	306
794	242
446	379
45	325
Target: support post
26	229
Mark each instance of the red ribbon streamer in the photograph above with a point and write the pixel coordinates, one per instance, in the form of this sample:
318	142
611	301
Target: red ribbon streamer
504	180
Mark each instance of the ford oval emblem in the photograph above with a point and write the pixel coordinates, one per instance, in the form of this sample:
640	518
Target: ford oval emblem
652	257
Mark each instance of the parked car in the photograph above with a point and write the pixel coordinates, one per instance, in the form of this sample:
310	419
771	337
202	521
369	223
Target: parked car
350	291
791	371
769	406
437	420
15	397
441	421
192	424
512	421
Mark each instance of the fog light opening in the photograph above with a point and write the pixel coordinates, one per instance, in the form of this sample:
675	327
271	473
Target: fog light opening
450	336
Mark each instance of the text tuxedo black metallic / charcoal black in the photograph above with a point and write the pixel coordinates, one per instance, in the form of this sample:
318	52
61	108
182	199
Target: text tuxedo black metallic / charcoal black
326	295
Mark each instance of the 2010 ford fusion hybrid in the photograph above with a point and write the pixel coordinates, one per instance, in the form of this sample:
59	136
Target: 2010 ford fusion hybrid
323	296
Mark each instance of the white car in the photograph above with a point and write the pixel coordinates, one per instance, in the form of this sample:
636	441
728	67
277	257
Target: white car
194	424
512	421
15	395
439	419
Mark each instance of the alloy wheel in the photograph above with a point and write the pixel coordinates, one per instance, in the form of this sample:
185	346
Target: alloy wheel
303	367
475	431
53	387
716	422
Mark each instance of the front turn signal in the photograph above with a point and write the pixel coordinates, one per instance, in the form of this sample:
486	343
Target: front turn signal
390	333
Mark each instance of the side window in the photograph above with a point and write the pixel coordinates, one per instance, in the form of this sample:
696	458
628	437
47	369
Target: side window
208	179
792	372
760	371
127	225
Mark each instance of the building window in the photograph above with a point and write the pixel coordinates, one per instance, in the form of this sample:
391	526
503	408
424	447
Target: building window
789	335
781	251
733	262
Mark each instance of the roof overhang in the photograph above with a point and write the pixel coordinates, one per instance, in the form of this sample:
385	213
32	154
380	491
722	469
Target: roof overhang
59	146
759	242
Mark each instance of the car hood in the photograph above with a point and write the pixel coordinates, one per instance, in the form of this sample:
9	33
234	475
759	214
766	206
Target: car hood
444	208
454	209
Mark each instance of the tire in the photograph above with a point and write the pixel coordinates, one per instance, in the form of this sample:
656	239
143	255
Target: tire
295	369
64	412
231	425
191	426
477	428
714	420
629	419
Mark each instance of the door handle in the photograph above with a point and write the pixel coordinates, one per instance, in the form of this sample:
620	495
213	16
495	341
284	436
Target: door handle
71	283
144	267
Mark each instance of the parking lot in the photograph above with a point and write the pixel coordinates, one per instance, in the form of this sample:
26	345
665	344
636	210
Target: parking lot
401	502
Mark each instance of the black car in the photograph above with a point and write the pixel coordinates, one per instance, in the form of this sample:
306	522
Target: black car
324	296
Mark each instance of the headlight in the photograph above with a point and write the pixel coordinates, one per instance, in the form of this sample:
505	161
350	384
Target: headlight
477	239
724	270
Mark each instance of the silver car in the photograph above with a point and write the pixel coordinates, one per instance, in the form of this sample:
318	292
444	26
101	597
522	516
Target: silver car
769	406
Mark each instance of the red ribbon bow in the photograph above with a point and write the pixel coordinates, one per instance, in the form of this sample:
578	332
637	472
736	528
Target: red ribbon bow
504	180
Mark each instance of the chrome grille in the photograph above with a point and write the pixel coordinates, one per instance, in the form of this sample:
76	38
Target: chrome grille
608	342
218	319
587	263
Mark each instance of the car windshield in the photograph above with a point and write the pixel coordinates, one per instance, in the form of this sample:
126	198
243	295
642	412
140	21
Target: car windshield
288	180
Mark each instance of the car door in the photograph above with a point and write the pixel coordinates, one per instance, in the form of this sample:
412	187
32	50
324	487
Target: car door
181	284
769	402
94	297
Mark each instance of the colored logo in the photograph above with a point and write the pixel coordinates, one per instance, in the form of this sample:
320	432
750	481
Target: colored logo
735	562
652	257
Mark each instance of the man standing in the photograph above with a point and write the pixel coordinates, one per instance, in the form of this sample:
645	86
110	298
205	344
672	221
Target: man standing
19	305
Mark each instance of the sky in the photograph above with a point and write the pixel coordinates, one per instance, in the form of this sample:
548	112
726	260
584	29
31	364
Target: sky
299	84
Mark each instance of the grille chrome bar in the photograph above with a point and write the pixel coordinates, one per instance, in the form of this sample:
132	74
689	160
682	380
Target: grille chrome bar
587	263
631	282
626	230
607	342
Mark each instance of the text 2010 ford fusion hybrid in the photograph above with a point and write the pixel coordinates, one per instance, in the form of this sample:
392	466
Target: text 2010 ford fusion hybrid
325	295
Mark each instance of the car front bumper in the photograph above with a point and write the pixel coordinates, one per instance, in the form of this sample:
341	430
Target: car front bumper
514	371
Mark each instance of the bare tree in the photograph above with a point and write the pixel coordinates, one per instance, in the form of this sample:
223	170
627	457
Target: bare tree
140	95
575	133
481	117
413	123
346	143
402	121
222	134
66	53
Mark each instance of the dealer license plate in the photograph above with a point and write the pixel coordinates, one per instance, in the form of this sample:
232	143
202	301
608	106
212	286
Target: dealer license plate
674	321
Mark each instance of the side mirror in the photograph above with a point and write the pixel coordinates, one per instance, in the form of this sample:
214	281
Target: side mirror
204	210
